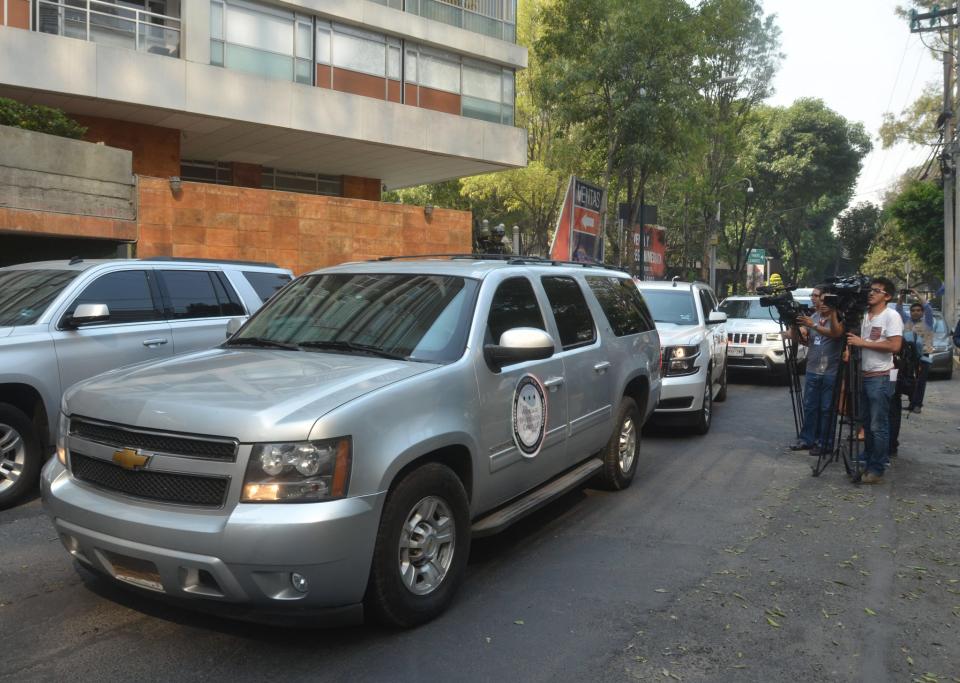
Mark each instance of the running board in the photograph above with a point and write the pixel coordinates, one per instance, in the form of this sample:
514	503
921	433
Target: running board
499	520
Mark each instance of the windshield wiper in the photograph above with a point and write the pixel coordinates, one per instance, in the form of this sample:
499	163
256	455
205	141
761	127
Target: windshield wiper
261	342
352	346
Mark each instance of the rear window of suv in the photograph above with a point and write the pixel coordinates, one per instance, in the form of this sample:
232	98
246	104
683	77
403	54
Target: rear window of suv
266	284
198	294
622	304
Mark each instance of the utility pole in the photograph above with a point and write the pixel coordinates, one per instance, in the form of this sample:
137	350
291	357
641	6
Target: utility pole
938	20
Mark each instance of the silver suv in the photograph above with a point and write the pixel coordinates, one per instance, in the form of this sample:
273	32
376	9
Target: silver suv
64	321
342	448
694	342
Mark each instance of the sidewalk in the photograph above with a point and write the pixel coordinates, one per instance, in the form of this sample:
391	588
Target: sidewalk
830	581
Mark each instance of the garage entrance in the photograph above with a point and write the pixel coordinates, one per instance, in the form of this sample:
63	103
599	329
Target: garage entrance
18	248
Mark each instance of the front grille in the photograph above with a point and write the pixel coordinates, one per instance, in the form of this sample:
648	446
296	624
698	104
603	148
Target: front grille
210	448
743	362
165	487
744	338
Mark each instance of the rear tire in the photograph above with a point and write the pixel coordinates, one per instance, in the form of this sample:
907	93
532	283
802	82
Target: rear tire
622	452
20	456
422	547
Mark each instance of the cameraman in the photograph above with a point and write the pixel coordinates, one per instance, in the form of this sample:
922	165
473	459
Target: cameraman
881	335
821	332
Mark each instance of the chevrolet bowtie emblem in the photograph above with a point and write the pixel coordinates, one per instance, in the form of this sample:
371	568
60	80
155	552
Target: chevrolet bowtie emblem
129	459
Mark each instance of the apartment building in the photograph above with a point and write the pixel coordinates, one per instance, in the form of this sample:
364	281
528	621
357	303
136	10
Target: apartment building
267	130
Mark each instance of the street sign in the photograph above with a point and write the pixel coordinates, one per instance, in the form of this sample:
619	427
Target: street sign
757	256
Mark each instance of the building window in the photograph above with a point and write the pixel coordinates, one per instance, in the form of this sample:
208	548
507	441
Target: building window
216	172
262	40
363	51
152	26
496	18
307	183
486	91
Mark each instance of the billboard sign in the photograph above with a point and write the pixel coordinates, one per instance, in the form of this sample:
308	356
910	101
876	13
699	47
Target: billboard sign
579	234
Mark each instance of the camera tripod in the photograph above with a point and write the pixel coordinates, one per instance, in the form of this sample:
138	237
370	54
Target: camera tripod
793	376
845	420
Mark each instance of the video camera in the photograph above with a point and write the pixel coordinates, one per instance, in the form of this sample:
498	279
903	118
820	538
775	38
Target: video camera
849	296
787	307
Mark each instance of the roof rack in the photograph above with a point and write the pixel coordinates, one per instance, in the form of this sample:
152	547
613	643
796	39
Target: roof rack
265	264
510	259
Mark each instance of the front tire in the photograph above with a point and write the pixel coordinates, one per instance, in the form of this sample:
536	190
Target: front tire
622	453
20	456
701	424
423	543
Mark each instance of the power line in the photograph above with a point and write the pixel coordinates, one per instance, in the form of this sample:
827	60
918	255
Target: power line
913	82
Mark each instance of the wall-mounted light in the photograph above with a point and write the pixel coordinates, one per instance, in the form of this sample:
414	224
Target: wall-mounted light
428	210
175	184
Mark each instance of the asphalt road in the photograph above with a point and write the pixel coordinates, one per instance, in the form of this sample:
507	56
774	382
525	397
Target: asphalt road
725	561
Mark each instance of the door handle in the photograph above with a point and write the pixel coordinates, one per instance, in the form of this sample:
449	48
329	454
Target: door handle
158	341
602	367
553	383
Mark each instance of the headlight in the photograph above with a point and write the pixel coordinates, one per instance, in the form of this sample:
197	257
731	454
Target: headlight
302	471
62	429
772	336
682	359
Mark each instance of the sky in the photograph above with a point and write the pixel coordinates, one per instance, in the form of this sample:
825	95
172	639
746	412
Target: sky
861	60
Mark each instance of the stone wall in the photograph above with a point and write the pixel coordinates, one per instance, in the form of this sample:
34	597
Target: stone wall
297	231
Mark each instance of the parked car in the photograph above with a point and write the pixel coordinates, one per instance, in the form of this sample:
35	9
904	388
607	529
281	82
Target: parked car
942	365
693	341
61	322
754	338
341	449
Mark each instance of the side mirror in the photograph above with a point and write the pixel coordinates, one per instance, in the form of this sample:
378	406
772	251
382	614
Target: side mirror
517	345
233	325
86	314
717	317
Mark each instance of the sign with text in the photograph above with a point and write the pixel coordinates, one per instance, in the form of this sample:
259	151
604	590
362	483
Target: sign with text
757	256
579	234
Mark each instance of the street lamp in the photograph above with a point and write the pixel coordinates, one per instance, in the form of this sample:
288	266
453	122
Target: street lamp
713	238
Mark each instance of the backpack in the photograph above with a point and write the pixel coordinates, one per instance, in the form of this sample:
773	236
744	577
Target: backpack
907	361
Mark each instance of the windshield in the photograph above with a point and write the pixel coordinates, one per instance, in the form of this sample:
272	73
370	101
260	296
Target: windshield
746	308
413	317
671	306
25	294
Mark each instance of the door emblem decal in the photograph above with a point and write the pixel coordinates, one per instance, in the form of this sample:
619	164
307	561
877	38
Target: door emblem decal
529	415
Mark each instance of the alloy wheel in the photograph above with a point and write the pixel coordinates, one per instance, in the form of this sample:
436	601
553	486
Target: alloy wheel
13	455
427	543
628	444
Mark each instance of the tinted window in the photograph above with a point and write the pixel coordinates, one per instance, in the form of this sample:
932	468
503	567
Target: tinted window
25	294
622	304
266	284
229	300
570	310
191	294
514	305
671	306
416	317
126	294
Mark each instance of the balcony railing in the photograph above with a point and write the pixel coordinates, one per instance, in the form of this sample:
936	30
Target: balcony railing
107	23
497	18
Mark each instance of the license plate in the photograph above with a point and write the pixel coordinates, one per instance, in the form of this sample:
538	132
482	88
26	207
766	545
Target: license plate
135	571
735	350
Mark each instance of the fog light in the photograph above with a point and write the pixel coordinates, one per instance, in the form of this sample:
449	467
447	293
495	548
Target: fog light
62	455
299	582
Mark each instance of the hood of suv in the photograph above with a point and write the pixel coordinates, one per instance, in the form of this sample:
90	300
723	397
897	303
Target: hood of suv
679	335
251	395
752	325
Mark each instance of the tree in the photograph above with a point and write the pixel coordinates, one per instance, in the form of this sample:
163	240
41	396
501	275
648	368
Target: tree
917	215
856	229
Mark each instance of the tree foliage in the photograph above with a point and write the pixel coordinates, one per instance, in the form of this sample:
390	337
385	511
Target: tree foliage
857	227
38	118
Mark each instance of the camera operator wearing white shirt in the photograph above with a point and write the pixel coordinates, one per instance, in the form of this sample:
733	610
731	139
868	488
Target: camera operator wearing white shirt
881	335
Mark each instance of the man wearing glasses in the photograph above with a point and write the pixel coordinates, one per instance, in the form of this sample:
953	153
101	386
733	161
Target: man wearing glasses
881	335
821	332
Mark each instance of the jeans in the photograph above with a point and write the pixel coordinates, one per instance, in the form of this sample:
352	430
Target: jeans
875	413
817	410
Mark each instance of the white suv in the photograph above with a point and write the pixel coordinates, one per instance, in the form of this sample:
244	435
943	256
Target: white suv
693	343
754	340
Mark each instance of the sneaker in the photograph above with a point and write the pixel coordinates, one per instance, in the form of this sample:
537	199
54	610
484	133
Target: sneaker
815	451
800	446
917	410
871	478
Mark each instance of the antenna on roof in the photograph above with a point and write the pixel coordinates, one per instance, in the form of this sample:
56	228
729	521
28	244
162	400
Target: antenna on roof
75	260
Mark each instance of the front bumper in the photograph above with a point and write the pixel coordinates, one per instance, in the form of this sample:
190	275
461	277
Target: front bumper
682	394
239	558
758	357
942	362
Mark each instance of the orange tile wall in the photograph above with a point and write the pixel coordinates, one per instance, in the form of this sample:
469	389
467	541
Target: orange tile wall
18	13
297	231
156	150
26	222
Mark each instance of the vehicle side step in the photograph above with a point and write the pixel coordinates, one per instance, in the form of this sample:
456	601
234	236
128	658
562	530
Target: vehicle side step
499	520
